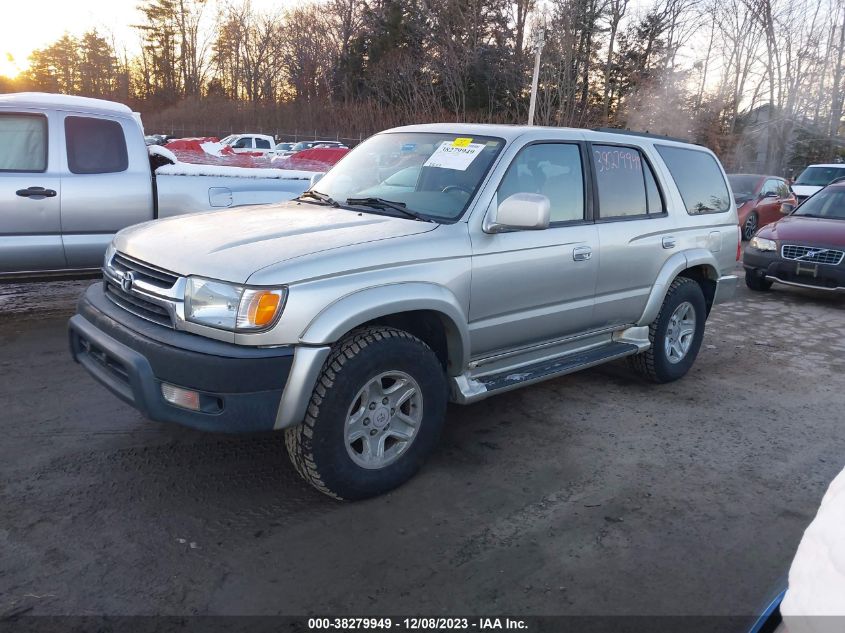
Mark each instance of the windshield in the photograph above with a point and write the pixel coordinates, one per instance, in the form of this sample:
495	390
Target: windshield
301	145
828	203
743	187
228	140
433	174
820	176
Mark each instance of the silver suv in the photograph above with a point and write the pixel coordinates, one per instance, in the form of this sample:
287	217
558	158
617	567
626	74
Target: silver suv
434	263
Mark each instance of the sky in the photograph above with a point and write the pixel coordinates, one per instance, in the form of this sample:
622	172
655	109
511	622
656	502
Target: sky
54	17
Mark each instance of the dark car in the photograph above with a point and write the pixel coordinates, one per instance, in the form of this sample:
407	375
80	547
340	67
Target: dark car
758	200
806	248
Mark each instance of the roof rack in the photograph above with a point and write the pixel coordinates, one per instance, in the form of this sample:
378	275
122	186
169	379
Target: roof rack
614	130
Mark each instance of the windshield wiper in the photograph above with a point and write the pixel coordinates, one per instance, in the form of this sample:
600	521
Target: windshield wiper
381	203
318	196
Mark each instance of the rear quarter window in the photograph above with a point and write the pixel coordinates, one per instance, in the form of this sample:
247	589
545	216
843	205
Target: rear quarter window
699	179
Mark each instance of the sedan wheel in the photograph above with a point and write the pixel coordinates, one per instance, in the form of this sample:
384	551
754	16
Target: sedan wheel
750	226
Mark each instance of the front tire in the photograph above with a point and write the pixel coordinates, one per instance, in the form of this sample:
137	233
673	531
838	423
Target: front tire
675	334
375	415
755	282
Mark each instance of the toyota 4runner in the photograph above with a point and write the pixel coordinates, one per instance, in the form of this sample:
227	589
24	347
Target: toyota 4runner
434	263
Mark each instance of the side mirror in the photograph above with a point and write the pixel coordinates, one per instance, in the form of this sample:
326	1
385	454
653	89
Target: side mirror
316	178
768	194
519	212
786	208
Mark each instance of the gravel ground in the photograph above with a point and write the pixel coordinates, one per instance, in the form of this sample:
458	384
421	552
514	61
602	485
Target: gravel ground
592	494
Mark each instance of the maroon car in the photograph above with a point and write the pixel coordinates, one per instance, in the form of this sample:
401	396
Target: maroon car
806	248
758	200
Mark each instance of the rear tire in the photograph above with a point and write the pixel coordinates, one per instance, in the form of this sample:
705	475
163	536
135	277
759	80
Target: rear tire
378	386
756	283
675	334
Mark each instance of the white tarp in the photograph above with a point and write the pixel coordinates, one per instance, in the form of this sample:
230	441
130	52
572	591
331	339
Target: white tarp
817	575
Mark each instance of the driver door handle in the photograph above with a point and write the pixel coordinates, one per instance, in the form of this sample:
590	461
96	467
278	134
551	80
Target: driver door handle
582	253
36	192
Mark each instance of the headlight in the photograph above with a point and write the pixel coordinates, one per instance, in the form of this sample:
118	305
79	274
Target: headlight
762	244
231	307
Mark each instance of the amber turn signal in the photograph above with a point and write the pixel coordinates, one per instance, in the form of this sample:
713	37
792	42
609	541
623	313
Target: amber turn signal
263	308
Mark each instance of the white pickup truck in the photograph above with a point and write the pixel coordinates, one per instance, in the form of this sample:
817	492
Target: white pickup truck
74	171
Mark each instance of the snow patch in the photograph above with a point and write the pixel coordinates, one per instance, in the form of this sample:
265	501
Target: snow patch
64	101
158	150
224	171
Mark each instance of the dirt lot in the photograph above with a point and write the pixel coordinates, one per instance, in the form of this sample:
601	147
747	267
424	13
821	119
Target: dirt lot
594	493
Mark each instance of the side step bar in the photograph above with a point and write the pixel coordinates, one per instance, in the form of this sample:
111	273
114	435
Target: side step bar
466	389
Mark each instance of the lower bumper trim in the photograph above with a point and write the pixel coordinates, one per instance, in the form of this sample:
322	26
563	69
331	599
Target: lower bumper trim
808	286
129	375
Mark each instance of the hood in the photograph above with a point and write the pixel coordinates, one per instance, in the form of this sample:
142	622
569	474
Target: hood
805	190
231	245
803	230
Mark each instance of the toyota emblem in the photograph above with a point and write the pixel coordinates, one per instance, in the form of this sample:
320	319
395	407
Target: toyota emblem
127	280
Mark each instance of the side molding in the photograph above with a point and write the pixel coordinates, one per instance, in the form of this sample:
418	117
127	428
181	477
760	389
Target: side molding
360	307
674	265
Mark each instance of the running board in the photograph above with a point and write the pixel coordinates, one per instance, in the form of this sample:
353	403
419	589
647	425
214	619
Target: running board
466	389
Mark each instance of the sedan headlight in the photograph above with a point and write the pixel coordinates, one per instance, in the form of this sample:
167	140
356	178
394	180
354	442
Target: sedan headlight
232	307
762	244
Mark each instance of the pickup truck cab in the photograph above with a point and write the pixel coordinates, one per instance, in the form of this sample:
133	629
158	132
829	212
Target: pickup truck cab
815	177
350	316
74	171
250	143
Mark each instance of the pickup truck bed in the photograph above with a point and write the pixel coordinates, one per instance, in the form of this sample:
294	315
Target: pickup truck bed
74	171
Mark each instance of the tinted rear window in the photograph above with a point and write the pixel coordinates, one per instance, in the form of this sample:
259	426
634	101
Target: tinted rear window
95	146
625	183
699	179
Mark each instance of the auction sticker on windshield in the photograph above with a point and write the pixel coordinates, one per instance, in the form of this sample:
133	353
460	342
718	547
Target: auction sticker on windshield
453	156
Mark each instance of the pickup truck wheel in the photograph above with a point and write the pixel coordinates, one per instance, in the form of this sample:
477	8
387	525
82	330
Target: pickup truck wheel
375	415
675	334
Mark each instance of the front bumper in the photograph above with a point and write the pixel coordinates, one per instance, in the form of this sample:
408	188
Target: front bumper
241	388
772	266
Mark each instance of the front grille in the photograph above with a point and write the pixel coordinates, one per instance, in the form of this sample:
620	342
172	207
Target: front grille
143	272
138	305
151	295
812	254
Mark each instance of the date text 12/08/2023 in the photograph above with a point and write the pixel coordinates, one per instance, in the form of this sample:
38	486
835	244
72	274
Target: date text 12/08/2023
418	624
